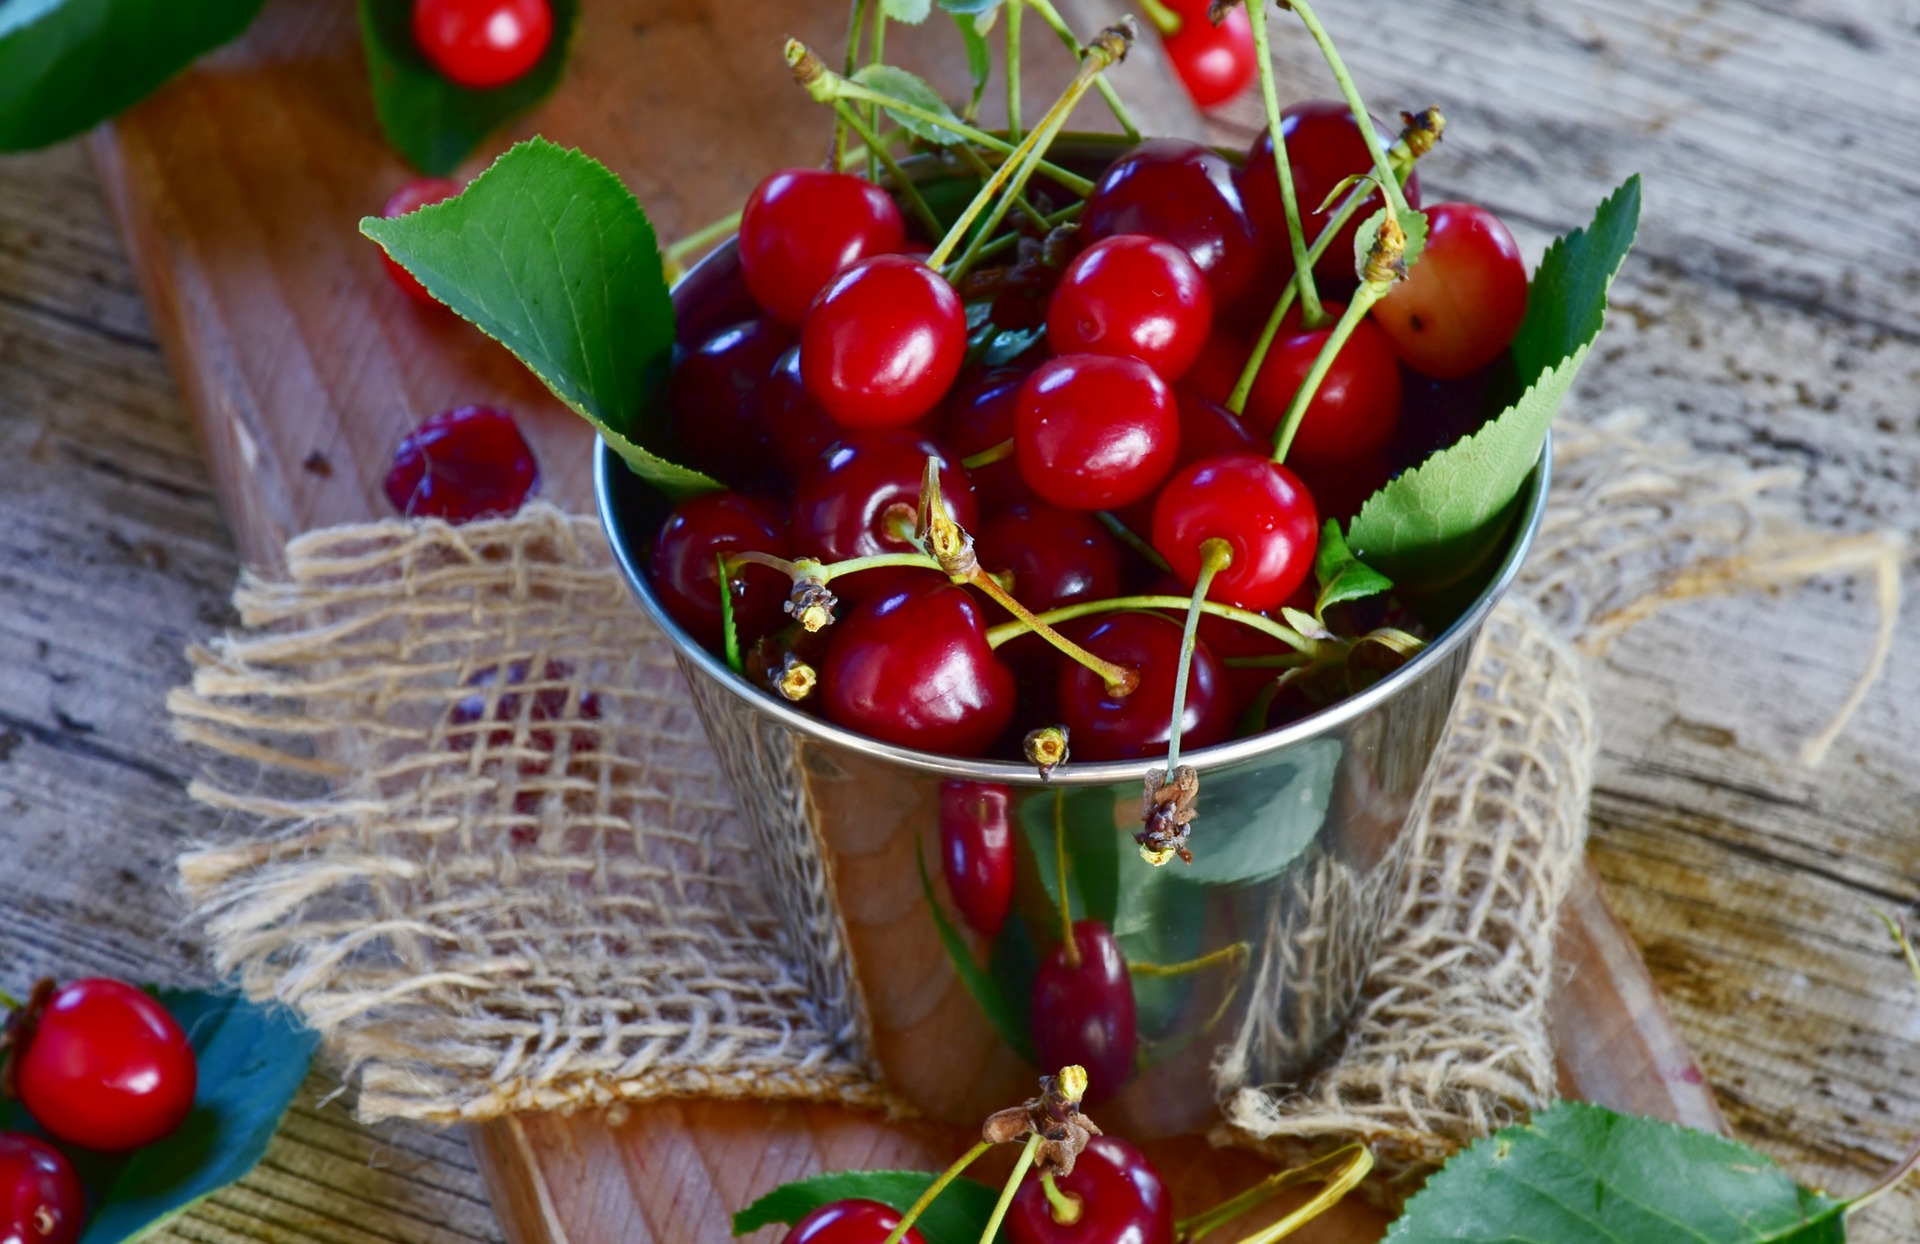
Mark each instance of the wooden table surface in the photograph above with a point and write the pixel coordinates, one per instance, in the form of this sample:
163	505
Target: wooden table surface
1773	312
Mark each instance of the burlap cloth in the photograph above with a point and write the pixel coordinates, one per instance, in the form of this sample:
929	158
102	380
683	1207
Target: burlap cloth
496	894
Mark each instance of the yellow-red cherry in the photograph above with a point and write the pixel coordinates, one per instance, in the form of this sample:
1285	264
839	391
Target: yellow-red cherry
1139	725
913	668
482	44
976	851
801	227
1263	512
105	1067
1132	296
1121	1198
1463	301
1093	431
851	1221
41	1201
883	342
1082	1008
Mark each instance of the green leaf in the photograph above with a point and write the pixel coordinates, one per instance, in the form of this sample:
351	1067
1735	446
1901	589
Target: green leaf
549	254
979	55
972	8
1341	575
431	121
66	65
912	12
1581	1174
1007	1019
1434	522
957	1216
913	90
1412	223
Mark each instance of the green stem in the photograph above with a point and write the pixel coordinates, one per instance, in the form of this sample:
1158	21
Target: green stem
1126	536
999	635
1215	555
728	631
1888	1182
835	570
1064	1207
856	27
1191	1229
973	160
1396	197
8	1002
1341	1184
1238	951
1014	10
1120	680
874	57
1899	935
875	148
1007	241
1069	947
676	255
1164	19
989	456
1051	16
838	87
1311	312
934	1190
1363	298
1020	1169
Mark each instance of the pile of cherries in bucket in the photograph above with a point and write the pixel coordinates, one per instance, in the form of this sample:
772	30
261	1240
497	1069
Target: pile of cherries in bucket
1073	404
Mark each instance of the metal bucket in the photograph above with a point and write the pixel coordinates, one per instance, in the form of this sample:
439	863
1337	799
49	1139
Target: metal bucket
1242	967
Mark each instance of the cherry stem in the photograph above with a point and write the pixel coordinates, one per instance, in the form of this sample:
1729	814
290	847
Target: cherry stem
1164	19
989	455
1126	536
1273	661
1340	1165
1389	183
1069	948
730	562
1120	680
1311	312
1007	241
678	253
1014	11
1020	1168
905	183
8	1001
1051	16
1065	1207
1899	933
874	58
934	1190
856	27
825	572
1238	952
1215	555
1363	298
983	170
876	561
1889	1181
999	635
730	633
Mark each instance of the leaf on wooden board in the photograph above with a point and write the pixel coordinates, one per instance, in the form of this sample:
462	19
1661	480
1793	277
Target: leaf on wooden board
912	12
1341	575
1443	514
66	65
957	1216
435	123
1007	1019
1581	1174
913	90
550	255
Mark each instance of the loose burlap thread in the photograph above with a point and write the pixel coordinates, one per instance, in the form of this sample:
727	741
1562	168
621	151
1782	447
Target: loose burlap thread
478	840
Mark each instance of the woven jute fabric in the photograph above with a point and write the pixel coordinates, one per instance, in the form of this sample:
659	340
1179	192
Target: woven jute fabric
478	840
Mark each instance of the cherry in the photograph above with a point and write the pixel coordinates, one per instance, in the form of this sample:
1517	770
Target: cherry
1132	296
461	465
801	227
863	496
1094	432
850	1222
684	571
716	399
482	44
1463	300
106	1067
1056	556
883	342
549	703
913	668
1218	368
980	414
1083	1011
41	1201
1263	512
1352	413
1214	63
796	427
411	197
1207	430
976	851
1184	193
1324	148
1122	1199
1140	725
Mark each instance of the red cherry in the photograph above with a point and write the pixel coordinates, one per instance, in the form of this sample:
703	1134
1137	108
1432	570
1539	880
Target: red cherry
1463	299
461	465
798	430
1207	430
1324	148
1122	1198
850	1222
547	703
106	1067
1094	431
716	400
482	44
1263	512
684	568
1056	556
41	1201
411	197
1215	63
1084	1014
980	414
1352	413
976	851
1135	297
856	499
914	668
1140	725
1184	193
1218	368
883	342
802	227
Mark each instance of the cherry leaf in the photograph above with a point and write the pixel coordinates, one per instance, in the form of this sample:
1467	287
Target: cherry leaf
973	33
912	12
957	1216
1341	575
913	90
1007	1019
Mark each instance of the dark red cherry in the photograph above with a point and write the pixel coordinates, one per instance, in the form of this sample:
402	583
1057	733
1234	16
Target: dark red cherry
1352	413
1083	1012
802	227
717	398
862	497
1463	299
1056	556
1218	368
797	428
482	44
976	851
979	414
883	342
1214	63
106	1067
1263	512
1179	190
913	668
1324	148
850	1222
411	197
684	565
1339	489
1094	431
1122	1199
1140	725
41	1201
1132	296
461	465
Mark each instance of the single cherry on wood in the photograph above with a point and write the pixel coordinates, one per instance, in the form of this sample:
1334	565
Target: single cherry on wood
41	1201
482	44
1093	431
1184	193
883	342
861	497
1263	512
1133	296
1140	725
913	667
411	197
802	227
1082	1008
462	464
976	851
1463	301
105	1067
1352	413
850	1222
1113	1196
684	565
